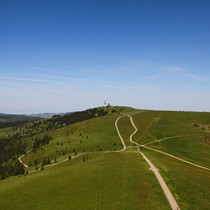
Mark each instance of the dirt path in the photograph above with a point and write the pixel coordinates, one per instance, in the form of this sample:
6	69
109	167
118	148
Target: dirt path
21	162
118	132
135	130
163	185
161	181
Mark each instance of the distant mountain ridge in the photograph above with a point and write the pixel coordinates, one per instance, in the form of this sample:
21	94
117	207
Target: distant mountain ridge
49	115
15	117
4	117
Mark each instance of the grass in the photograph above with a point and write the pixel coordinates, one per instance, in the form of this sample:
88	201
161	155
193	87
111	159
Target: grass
126	129
94	135
178	123
144	121
105	181
186	148
191	145
162	124
4	132
115	180
189	185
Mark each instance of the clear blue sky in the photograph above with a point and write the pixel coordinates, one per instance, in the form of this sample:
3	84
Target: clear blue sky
58	56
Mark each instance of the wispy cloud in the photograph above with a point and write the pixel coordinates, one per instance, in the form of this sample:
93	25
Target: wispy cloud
198	77
187	74
6	83
176	69
42	69
30	80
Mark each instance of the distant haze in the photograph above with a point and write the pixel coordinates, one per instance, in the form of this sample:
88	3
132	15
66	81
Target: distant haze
63	56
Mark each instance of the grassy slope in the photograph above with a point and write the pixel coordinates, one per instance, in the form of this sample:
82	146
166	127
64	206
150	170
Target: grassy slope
105	181
3	132
144	121
186	148
190	185
179	123
86	136
76	180
126	129
191	145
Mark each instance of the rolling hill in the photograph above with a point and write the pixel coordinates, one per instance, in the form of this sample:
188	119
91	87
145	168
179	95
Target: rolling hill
82	164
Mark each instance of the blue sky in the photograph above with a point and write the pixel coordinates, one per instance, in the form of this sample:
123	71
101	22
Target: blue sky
58	56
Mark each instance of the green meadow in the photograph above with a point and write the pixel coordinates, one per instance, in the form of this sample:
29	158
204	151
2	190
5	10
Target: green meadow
104	181
94	135
98	176
189	131
126	129
189	185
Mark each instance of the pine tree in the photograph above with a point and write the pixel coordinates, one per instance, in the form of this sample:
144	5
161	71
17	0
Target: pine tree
48	161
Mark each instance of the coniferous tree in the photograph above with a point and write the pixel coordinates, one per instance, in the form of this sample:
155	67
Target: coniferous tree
48	161
44	162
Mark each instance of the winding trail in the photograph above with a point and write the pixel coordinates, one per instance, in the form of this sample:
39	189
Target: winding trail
118	132
135	128
161	181
21	162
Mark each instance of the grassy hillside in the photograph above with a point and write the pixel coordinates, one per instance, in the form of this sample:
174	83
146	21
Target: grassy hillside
144	121
190	185
190	132
100	178
105	181
95	135
51	140
125	129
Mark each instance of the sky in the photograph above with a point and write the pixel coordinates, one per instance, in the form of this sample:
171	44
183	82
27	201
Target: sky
63	56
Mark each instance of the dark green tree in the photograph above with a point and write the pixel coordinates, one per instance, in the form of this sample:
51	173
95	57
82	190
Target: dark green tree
44	162
48	161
